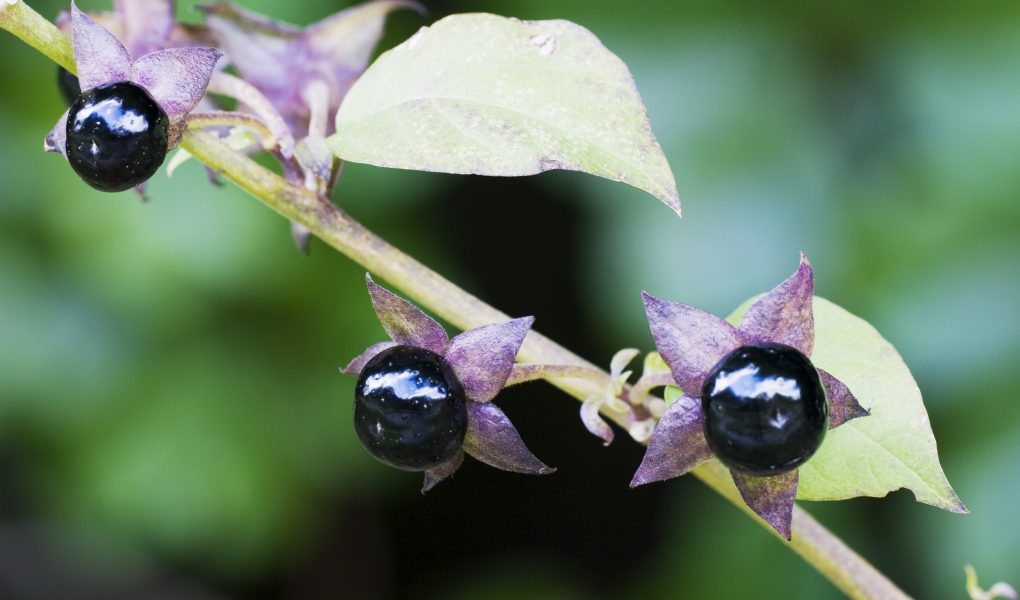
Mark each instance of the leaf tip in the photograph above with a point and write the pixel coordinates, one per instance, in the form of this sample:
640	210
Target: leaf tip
957	506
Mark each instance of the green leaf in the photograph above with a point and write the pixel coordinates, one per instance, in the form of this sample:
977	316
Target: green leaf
487	95
892	448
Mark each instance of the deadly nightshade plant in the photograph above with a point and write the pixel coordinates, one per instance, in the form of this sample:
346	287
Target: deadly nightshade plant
422	400
751	396
491	95
130	113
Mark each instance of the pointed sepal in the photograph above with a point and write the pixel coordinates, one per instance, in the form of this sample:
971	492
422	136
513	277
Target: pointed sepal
493	439
483	357
404	322
771	498
177	78
444	471
783	315
56	139
843	406
358	363
98	55
691	341
677	445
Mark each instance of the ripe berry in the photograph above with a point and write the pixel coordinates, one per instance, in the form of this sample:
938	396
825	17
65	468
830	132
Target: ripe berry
68	85
410	411
116	136
765	410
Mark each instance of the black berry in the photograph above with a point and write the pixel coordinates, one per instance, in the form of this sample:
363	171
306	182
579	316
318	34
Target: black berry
68	85
765	410
116	136
410	411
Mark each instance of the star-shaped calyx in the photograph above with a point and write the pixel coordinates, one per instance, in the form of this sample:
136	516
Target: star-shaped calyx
138	106
423	400
751	396
299	67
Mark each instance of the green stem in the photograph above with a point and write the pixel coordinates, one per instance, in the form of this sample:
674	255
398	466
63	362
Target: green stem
222	118
819	547
523	373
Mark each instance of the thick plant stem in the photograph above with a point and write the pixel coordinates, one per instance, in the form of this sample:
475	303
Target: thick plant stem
819	547
523	373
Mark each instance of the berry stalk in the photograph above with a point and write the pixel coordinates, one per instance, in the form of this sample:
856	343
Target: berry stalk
819	547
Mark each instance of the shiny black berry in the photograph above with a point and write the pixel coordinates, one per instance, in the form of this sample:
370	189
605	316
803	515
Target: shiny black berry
68	85
116	136
765	410
410	411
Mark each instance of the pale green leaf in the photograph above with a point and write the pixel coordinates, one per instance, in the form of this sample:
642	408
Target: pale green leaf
894	447
489	95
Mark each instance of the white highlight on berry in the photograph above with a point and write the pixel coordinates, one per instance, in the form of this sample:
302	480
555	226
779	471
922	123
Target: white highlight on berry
744	382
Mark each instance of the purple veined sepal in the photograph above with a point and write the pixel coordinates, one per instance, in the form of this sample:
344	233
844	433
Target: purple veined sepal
358	363
691	341
177	78
783	315
98	55
843	406
677	445
493	439
444	471
483	357
56	139
280	59
404	322
770	497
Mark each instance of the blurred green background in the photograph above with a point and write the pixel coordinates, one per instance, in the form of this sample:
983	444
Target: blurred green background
172	423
